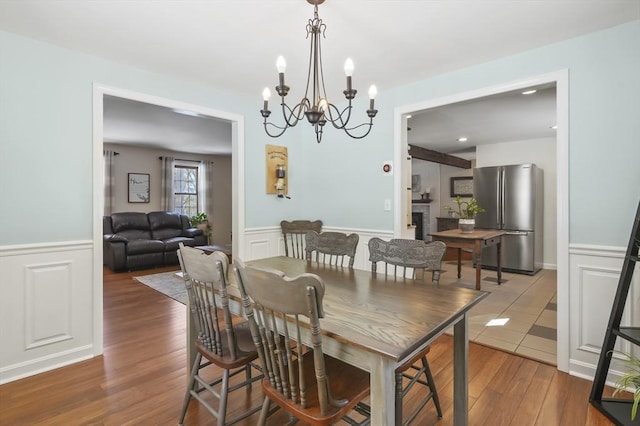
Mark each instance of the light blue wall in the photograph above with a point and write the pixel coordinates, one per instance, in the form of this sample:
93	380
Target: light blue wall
46	143
604	152
46	139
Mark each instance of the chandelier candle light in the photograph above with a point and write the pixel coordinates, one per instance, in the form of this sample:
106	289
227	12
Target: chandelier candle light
317	109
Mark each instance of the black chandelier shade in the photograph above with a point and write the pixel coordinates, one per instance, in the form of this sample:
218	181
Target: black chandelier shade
314	104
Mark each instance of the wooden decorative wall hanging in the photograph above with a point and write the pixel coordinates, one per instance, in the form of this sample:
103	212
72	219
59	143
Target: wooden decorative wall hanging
277	157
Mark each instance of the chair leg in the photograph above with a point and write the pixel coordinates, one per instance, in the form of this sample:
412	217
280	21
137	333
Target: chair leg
247	370
224	393
262	421
190	385
399	396
432	385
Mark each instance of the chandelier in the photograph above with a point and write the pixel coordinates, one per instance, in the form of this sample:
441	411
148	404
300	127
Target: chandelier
315	105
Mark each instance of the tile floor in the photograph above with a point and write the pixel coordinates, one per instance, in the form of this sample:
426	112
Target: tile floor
528	302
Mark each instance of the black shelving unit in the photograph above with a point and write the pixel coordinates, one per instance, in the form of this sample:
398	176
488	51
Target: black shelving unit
618	410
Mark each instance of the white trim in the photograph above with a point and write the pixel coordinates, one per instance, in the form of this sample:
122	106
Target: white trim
36	248
561	78
598	251
35	366
237	185
265	229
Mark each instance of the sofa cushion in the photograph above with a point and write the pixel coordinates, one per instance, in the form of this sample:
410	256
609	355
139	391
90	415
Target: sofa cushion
172	244
144	246
165	225
129	221
134	234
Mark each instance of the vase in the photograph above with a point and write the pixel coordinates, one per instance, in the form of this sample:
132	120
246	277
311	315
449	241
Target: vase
466	225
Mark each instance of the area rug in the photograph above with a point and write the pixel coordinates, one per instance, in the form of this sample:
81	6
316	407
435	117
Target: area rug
166	283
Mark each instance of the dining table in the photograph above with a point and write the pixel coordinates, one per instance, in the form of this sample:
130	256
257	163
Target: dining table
377	323
476	241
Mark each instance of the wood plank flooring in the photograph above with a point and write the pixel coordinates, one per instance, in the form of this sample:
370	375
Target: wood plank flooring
141	378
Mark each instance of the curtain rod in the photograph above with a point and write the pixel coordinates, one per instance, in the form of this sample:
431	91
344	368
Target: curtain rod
181	159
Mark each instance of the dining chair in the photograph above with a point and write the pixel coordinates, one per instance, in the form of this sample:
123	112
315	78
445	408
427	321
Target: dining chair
293	233
410	255
222	339
311	386
331	247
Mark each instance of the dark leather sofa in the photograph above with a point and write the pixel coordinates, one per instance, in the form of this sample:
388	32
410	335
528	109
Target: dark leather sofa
145	240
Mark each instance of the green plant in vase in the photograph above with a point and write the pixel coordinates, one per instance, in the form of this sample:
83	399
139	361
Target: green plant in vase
467	212
201	221
630	379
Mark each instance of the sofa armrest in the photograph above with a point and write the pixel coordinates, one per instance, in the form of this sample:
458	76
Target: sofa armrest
113	238
192	232
113	252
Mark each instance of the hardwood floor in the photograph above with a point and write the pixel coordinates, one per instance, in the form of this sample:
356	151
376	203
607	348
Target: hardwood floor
141	378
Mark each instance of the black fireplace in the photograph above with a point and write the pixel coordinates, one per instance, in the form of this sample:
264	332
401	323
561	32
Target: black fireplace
416	220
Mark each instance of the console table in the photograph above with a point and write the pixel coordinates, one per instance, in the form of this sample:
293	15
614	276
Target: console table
476	240
226	249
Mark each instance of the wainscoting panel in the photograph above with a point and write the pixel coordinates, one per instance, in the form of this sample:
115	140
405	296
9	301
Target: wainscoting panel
593	279
47	303
46	299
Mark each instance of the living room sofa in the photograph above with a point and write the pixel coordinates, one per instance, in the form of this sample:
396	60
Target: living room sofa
145	240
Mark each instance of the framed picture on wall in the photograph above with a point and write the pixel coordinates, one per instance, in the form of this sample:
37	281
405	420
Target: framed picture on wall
139	188
462	186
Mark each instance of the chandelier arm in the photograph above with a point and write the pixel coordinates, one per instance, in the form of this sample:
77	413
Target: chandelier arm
300	107
309	31
274	135
339	122
322	90
348	130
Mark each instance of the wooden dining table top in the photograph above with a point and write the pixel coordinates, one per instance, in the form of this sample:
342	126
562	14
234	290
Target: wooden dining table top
477	234
391	317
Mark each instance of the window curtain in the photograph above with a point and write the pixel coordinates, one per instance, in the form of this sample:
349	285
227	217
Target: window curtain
167	196
109	198
206	186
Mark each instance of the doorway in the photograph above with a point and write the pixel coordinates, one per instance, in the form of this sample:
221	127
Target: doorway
560	79
237	184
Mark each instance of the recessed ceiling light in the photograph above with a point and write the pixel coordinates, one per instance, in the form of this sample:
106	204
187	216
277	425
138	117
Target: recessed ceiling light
408	116
529	92
554	127
463	139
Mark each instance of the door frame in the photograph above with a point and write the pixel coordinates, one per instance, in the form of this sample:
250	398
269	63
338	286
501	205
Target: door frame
237	182
561	79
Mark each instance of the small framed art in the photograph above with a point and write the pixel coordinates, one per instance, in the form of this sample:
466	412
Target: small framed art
139	188
462	186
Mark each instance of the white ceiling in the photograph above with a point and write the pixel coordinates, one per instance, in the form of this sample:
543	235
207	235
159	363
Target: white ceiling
232	44
505	117
152	126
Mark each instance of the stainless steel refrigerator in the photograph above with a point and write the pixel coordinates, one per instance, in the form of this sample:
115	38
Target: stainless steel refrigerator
513	199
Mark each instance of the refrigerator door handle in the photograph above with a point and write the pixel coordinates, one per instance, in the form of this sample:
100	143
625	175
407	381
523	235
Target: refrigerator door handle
502	194
522	233
498	201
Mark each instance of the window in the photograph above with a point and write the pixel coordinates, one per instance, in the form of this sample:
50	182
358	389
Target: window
185	182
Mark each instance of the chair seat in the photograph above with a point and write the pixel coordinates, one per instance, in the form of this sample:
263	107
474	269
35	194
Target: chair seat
346	382
247	350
